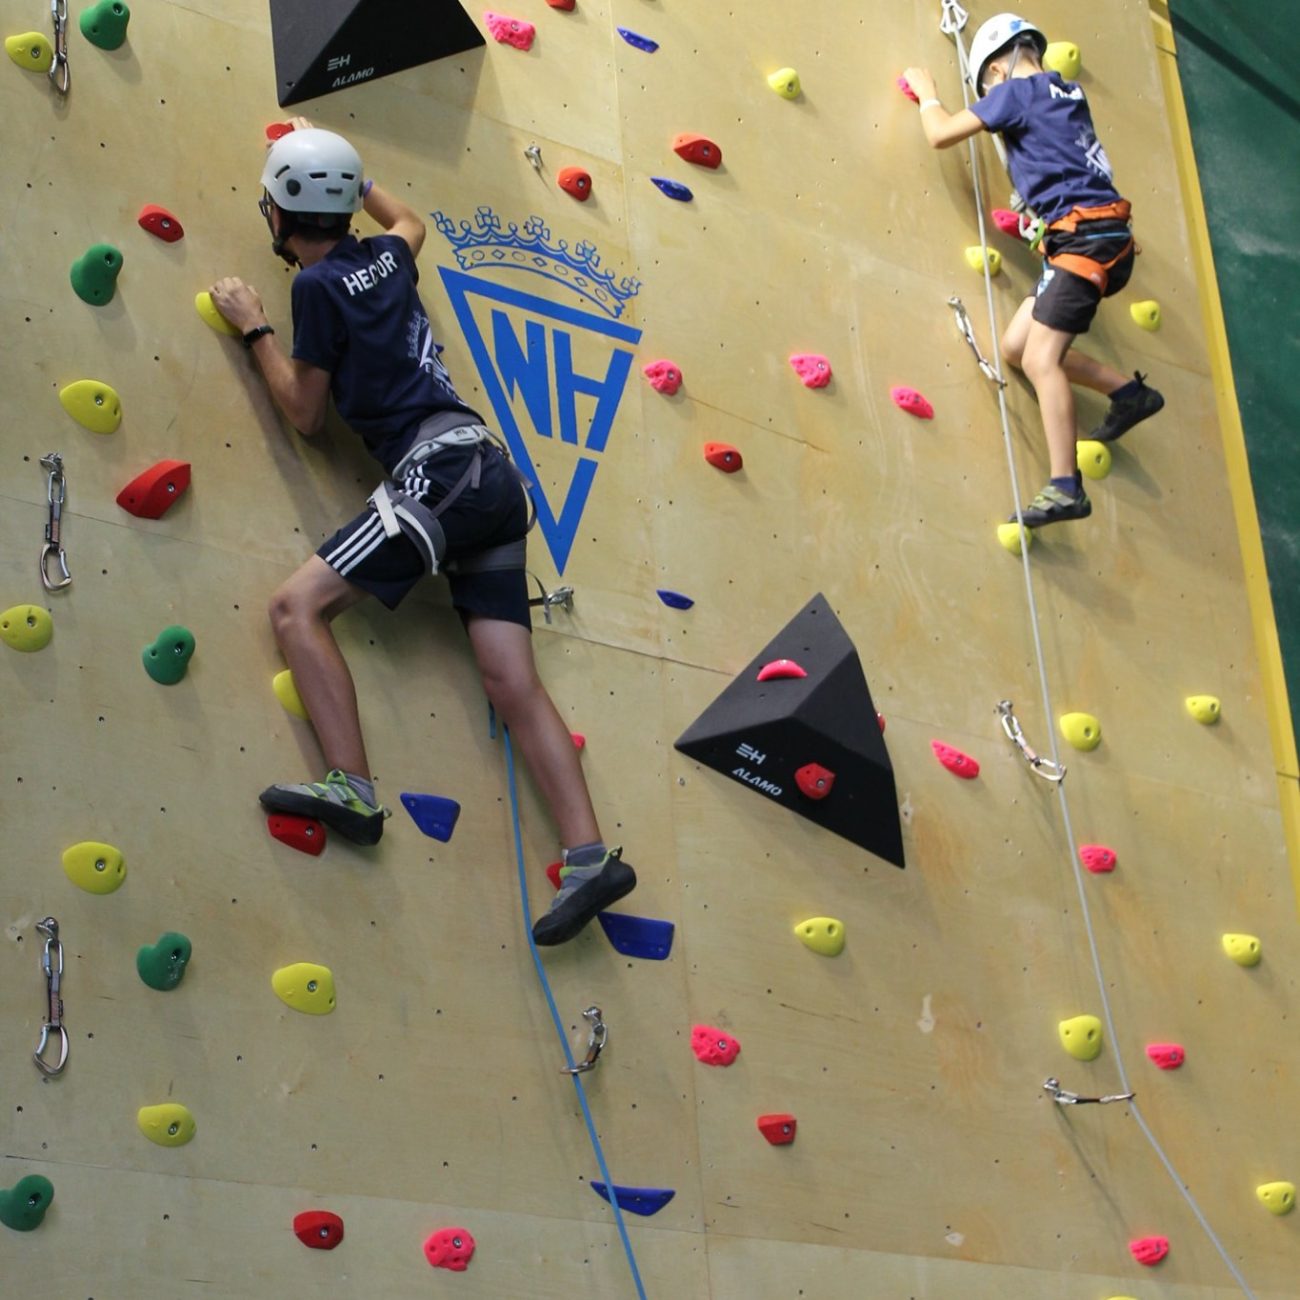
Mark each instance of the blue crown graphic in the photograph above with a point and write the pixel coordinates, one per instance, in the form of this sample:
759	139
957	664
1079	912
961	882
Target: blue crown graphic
484	245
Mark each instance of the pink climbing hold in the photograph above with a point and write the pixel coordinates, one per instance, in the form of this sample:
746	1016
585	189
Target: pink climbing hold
1097	858
714	1046
510	31
779	668
906	87
579	740
955	761
909	400
450	1248
1007	222
1168	1056
778	1129
664	376
813	369
1149	1250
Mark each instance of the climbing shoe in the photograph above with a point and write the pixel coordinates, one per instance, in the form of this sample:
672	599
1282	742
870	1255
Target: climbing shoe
1127	410
332	801
584	891
1052	506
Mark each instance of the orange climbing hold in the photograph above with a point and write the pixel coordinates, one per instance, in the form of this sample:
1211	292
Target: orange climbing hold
150	495
723	456
955	761
697	149
575	181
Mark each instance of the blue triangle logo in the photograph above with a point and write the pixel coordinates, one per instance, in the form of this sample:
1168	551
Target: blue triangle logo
555	377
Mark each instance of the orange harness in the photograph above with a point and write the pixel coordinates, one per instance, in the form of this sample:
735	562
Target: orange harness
1089	268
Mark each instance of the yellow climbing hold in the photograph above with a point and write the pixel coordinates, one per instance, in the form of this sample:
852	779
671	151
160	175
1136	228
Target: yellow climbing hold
206	308
976	254
94	406
286	691
26	627
1012	537
1244	949
1277	1198
31	50
1082	730
1063	57
785	82
1094	457
305	987
170	1124
97	868
823	934
1204	708
1081	1037
1146	314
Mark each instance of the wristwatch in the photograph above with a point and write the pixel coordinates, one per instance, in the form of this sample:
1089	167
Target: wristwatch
254	334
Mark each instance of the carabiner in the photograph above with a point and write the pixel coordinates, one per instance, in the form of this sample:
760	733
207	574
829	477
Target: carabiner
60	72
56	490
52	965
596	1041
1043	767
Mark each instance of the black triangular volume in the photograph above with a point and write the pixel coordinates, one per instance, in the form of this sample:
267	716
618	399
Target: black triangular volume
326	45
782	737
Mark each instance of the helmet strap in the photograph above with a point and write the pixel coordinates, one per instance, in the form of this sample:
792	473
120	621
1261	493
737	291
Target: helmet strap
286	232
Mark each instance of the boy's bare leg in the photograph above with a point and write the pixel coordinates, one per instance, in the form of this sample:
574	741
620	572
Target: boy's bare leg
1080	368
301	611
1045	350
504	652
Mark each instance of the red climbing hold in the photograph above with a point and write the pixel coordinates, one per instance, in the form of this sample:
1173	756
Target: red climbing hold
880	718
955	761
275	130
451	1248
575	181
714	1046
318	1229
1007	222
158	221
723	456
561	4
814	780
779	1130
664	377
909	400
305	834
149	495
1149	1250
1097	857
906	87
813	369
553	873
697	149
1168	1056
579	740
518	32
779	668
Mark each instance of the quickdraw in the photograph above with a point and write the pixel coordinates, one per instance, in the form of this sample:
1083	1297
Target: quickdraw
52	1029
596	1040
56	490
60	72
1044	767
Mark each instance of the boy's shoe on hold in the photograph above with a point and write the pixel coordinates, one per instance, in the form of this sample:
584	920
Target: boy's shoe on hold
1129	405
584	891
332	801
1052	506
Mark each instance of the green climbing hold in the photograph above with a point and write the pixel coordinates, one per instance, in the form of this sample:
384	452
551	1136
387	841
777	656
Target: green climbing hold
167	657
94	274
162	965
104	24
23	1206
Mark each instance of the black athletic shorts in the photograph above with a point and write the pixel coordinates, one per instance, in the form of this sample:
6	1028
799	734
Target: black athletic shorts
490	515
1066	301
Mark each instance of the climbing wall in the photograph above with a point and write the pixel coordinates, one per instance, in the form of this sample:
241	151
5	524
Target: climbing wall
928	1159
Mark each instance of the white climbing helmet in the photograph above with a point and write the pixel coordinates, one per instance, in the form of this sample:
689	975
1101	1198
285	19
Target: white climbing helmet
311	170
994	36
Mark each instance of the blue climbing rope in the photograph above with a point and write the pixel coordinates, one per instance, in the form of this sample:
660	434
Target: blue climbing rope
526	908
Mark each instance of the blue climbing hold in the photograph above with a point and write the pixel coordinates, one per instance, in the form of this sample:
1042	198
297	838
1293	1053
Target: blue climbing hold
674	599
637	936
637	41
435	816
637	1200
674	189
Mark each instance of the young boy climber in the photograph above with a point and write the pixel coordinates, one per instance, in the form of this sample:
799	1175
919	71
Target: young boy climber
1060	169
450	502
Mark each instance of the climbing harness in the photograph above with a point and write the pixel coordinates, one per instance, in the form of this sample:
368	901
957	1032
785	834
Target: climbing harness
597	1037
1044	767
952	21
60	72
1090	268
965	330
1063	1097
52	965
56	489
562	596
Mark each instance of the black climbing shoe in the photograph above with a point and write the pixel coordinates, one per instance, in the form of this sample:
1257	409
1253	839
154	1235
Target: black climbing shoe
332	801
1124	413
1052	506
584	892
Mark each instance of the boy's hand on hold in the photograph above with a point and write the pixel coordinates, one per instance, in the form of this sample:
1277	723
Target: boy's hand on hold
300	124
239	303
922	83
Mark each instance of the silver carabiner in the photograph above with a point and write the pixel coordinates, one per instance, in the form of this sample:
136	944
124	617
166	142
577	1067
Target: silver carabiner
562	596
60	72
56	491
52	965
966	330
1043	767
596	1041
1063	1097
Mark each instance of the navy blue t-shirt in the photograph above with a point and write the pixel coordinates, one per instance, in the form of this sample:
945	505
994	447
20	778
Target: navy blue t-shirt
1053	154
356	313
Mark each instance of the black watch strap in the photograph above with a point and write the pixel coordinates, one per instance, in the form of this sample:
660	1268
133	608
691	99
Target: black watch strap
254	334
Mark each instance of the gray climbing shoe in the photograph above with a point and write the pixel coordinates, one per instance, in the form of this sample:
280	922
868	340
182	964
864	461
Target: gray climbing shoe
584	891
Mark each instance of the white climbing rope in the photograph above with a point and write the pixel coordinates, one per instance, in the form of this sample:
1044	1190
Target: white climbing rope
951	23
